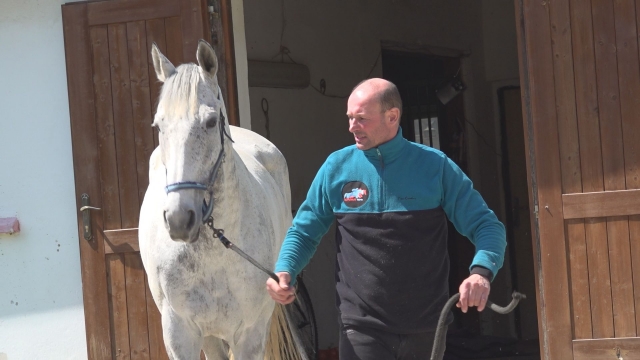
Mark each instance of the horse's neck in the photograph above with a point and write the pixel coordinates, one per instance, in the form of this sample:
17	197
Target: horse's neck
227	206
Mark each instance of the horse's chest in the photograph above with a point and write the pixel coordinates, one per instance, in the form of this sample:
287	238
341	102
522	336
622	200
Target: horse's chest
195	288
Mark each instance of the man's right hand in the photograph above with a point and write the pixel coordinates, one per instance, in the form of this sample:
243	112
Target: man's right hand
281	292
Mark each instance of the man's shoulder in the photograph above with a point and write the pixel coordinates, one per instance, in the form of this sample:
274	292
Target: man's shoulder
343	154
425	150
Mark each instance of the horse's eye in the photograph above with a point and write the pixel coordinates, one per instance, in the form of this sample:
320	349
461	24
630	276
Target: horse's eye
211	122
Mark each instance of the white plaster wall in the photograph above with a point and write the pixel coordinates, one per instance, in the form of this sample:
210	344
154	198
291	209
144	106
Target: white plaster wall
41	310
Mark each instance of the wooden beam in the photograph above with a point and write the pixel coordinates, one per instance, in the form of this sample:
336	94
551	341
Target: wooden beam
111	12
609	20
192	28
533	25
220	36
136	307
601	204
231	101
121	241
87	175
597	349
565	83
627	20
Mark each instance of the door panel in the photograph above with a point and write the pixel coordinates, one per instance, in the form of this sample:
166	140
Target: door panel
580	73
113	95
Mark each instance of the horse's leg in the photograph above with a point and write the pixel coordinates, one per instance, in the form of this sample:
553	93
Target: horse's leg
251	344
215	348
182	338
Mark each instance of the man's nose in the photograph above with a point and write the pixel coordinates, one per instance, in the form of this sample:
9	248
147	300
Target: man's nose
353	125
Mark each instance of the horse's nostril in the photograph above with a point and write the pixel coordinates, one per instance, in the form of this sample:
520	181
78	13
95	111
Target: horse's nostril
164	213
192	219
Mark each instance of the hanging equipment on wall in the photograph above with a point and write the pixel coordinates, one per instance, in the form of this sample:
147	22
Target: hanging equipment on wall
265	111
450	90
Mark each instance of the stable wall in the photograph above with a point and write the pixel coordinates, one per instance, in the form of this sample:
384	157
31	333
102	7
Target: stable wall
41	311
41	306
340	42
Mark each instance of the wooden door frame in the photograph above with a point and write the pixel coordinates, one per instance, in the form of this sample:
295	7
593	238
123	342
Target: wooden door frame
77	18
83	131
220	36
533	25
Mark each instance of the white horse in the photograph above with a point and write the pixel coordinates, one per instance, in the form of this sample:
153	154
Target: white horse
209	297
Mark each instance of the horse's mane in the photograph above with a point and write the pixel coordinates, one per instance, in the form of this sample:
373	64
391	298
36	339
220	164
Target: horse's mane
180	91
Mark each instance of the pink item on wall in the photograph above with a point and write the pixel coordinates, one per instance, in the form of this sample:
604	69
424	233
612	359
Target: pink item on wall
9	225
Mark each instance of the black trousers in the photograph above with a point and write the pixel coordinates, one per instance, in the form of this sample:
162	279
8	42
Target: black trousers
362	343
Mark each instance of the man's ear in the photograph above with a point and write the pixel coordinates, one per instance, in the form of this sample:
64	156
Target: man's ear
393	115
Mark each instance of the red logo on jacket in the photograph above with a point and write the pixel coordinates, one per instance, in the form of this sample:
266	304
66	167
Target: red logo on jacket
355	193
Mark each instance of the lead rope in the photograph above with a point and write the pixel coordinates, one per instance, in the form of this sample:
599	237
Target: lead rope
219	233
438	349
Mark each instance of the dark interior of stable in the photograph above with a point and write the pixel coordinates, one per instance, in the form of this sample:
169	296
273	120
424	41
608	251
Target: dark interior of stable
425	48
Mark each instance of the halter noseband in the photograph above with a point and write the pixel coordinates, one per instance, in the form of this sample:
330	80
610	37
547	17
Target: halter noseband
207	209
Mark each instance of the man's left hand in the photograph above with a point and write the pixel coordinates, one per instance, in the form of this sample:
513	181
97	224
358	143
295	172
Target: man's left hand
474	291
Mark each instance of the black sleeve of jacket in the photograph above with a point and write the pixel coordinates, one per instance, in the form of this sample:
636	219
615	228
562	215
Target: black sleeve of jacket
482	271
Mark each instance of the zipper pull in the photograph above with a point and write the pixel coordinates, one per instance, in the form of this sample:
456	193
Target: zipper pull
380	156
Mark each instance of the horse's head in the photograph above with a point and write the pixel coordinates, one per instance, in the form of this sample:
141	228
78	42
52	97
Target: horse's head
190	122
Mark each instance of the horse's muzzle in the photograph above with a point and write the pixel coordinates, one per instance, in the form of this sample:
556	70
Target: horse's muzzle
182	224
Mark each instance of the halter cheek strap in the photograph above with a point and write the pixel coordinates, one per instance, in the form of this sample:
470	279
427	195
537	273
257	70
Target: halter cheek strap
207	209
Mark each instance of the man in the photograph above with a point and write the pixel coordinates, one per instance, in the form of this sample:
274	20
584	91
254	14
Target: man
390	198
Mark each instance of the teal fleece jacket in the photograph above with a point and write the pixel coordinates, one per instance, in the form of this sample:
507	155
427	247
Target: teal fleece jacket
390	204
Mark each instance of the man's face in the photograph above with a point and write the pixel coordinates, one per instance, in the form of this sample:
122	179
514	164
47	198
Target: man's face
369	125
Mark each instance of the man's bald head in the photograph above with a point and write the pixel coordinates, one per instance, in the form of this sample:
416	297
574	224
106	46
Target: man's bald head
373	110
385	92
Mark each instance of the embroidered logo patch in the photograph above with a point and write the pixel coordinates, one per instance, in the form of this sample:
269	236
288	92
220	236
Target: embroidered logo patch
355	193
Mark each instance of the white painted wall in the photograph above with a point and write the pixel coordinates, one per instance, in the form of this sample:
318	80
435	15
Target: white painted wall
41	308
41	311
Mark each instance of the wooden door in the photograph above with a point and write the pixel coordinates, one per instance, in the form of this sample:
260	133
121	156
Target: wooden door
580	78
112	97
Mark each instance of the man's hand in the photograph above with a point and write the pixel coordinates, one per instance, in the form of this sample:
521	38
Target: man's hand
281	292
474	291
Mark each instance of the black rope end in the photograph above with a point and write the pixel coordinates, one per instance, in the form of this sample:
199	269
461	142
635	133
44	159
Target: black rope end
518	296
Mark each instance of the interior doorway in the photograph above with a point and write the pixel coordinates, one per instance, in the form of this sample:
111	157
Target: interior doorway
425	119
517	222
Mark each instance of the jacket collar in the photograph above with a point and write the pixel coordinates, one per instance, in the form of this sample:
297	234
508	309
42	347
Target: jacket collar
389	151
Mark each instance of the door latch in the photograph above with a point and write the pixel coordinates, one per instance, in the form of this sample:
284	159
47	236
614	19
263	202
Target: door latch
86	216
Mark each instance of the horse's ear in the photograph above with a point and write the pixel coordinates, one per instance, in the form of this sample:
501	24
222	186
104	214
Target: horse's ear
164	68
207	58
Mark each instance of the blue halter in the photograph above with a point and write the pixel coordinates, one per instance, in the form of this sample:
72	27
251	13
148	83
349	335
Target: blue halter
207	209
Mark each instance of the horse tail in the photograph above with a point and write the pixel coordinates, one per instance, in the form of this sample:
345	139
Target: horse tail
283	342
